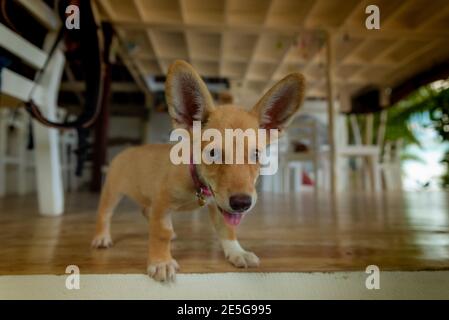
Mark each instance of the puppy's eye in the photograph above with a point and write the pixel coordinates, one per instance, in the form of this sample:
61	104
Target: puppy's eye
213	155
256	155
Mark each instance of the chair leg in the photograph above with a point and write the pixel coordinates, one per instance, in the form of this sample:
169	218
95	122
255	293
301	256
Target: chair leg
265	183
324	165
21	168
3	141
2	179
286	178
64	164
373	171
71	165
277	182
272	183
340	172
367	174
377	175
297	181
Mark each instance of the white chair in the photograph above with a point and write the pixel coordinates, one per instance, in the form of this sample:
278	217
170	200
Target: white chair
370	167
13	148
44	94
14	153
306	133
274	183
366	152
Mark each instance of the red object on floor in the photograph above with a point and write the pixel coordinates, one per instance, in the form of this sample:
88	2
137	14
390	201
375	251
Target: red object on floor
306	179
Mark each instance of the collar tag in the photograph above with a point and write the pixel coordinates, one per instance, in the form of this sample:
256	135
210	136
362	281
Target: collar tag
202	191
201	198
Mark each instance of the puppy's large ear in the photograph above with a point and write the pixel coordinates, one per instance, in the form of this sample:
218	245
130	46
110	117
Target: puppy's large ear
279	105
187	96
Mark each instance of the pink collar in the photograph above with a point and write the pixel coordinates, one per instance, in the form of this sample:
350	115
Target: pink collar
202	191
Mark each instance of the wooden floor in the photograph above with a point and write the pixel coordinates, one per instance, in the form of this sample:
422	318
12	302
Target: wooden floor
288	233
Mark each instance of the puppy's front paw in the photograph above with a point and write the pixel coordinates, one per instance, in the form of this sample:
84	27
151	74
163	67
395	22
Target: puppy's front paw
163	271
238	256
243	259
102	241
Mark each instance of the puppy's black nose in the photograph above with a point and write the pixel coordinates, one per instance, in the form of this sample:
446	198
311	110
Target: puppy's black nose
240	202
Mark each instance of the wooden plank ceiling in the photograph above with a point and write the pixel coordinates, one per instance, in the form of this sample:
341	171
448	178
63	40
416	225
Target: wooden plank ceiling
254	43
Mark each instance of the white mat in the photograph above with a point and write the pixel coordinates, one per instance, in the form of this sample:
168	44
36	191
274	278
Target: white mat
335	285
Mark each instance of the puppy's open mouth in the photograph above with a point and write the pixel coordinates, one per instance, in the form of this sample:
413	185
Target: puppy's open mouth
231	218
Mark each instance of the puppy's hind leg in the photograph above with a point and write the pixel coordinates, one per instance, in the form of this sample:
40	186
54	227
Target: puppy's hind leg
108	201
234	253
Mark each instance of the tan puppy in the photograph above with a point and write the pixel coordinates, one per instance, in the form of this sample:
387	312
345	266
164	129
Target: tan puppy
146	174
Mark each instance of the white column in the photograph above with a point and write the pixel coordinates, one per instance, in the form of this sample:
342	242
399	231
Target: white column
46	141
3	142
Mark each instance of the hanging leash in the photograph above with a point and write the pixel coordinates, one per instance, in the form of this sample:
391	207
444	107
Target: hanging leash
92	108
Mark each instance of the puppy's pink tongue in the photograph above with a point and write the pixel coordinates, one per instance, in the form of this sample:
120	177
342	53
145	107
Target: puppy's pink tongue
232	218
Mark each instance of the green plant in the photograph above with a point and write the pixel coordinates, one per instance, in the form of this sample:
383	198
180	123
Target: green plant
428	102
